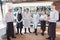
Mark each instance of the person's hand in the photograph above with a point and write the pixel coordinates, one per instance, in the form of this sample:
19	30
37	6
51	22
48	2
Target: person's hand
48	18
18	22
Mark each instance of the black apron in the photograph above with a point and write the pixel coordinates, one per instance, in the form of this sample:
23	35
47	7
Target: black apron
19	25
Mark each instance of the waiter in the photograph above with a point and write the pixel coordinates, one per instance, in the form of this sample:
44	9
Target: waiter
54	16
35	21
9	22
19	22
27	17
43	19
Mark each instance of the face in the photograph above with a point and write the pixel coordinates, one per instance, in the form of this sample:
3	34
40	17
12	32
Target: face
20	10
43	12
24	10
27	10
9	10
53	6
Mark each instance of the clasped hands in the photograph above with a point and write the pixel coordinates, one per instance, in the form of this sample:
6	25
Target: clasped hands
19	21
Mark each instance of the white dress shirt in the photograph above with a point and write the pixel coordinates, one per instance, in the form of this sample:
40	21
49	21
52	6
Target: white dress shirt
27	16
36	17
8	17
43	17
26	21
54	16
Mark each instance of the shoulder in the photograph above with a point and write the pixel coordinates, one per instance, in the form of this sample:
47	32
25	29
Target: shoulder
41	15
45	14
56	11
6	14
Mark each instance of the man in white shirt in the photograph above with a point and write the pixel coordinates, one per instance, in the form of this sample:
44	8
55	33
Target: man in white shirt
54	16
9	22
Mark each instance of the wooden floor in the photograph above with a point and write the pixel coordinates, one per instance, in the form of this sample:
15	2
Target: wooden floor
32	36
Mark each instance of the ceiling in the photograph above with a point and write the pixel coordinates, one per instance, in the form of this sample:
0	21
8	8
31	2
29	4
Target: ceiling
28	0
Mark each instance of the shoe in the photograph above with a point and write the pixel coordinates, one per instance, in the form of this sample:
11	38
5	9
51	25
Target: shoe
21	33
42	34
36	34
29	30
25	31
8	39
53	38
13	37
16	33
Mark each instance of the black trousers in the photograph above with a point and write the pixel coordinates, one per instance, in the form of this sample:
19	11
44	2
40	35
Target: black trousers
52	30
19	26
43	26
10	30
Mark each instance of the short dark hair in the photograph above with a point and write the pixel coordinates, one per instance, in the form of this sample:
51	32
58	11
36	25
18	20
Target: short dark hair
20	7
27	9
54	4
44	11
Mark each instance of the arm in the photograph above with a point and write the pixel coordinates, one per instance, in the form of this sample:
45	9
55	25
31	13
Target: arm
57	16
46	18
17	18
41	17
6	18
21	20
38	17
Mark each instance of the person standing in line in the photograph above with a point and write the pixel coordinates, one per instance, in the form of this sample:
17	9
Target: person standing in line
43	19
54	16
27	17
35	21
19	22
9	22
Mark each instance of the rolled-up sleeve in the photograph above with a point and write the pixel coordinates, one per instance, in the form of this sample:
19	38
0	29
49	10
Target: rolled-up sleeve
57	16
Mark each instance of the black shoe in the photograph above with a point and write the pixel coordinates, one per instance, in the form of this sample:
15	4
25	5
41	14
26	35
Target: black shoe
30	32
25	31
49	38
36	34
8	39
17	33
21	33
42	34
14	37
53	38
